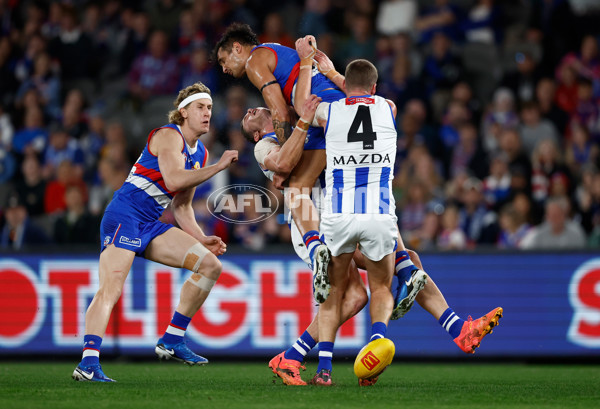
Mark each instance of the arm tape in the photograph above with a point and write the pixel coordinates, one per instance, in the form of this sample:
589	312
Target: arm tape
267	84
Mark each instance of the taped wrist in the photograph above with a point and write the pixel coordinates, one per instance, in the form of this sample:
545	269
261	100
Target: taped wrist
303	124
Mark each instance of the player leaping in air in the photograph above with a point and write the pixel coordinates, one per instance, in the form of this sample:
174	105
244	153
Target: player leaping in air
274	70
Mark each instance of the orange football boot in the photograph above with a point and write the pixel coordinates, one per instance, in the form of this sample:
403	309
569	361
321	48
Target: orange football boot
473	332
287	369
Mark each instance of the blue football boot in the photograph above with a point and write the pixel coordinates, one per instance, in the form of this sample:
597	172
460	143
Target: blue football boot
91	373
407	291
179	352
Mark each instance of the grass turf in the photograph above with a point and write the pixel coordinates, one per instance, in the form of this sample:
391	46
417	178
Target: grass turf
251	385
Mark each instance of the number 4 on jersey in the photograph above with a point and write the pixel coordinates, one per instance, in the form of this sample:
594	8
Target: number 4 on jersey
367	136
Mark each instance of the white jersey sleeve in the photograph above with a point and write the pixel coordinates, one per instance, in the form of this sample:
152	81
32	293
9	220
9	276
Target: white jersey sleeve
261	151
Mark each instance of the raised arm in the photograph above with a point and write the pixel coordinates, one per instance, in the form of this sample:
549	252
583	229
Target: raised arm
326	67
306	48
259	69
167	144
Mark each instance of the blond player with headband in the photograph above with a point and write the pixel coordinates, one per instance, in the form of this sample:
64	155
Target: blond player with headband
166	174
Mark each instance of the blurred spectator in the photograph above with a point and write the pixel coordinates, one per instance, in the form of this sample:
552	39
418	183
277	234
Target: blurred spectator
482	23
34	136
7	130
396	16
441	17
76	225
456	116
548	167
155	72
134	39
72	48
475	220
463	93
501	116
534	128
452	237
32	187
523	80
110	177
557	231
580	150
360	44
587	198
19	231
585	63
496	186
46	83
390	48
442	69
519	163
54	198
467	155
274	31
24	66
587	112
513	228
315	18
413	208
189	37
401	86
8	82
408	137
425	238
566	93
545	95
199	69
62	147
164	16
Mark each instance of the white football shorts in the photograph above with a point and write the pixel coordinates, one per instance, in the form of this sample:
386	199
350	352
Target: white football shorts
375	234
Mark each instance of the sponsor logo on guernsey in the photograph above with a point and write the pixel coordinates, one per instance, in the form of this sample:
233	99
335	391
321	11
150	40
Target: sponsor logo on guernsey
130	242
106	241
370	361
363	158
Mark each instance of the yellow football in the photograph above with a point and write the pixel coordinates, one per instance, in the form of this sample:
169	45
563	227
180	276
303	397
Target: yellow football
374	358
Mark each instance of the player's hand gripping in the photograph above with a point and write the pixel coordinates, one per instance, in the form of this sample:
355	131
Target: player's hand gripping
325	65
306	47
227	159
214	244
309	108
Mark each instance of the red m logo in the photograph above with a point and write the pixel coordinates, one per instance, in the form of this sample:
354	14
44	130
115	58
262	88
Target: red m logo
370	361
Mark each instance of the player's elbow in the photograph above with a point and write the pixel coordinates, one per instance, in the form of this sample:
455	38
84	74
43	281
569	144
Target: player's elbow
285	166
173	185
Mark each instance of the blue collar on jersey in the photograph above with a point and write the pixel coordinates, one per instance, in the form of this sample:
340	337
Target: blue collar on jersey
271	135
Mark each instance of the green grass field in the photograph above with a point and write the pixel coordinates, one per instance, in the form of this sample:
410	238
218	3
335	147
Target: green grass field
251	385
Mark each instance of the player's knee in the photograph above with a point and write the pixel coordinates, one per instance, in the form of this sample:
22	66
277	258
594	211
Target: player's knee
211	267
208	273
109	294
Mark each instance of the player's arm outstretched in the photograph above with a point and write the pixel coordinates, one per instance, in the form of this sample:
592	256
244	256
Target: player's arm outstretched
260	73
167	146
285	159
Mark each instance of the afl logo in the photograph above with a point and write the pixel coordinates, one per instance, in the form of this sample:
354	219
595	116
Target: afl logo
242	204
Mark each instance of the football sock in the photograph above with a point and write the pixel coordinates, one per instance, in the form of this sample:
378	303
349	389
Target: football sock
176	329
451	322
91	350
311	241
378	330
300	348
325	356
404	265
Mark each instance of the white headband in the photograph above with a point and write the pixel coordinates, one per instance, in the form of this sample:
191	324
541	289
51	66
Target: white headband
194	97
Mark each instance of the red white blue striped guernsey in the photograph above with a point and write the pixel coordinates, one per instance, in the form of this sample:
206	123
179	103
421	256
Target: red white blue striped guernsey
144	192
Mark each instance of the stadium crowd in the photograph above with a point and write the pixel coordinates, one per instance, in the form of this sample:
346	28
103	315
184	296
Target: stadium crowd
498	101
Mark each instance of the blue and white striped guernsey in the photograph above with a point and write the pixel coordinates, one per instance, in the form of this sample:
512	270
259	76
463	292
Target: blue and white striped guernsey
361	149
